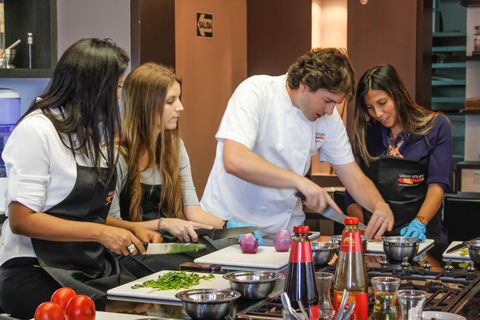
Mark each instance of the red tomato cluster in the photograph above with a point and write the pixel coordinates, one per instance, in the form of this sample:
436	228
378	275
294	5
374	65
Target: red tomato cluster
65	304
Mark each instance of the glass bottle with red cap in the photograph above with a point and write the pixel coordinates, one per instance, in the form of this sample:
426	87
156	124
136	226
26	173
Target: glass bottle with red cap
350	272
300	281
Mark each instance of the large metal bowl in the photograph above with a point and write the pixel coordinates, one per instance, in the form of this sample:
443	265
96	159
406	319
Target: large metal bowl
323	252
338	239
398	248
253	285
473	250
207	304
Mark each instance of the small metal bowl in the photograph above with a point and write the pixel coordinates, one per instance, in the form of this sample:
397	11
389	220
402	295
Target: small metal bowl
398	248
473	250
207	304
253	285
323	252
338	239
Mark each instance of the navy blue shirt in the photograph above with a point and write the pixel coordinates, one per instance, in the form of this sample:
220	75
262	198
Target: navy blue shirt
441	151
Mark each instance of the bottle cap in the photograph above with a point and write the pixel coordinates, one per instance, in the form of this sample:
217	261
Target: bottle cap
351	220
302	229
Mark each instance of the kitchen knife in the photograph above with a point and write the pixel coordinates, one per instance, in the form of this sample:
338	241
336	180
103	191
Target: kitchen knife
167	248
332	214
460	246
215	234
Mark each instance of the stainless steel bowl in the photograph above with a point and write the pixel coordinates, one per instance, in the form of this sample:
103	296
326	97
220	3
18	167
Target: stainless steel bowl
208	304
473	250
323	252
253	285
338	239
398	248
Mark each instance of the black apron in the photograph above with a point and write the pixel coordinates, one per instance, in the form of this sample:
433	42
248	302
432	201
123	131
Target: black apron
402	184
140	265
86	267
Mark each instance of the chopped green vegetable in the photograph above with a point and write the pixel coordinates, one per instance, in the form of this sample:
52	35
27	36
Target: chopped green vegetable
464	252
463	264
174	281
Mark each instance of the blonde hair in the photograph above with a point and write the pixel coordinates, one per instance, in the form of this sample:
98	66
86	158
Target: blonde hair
143	99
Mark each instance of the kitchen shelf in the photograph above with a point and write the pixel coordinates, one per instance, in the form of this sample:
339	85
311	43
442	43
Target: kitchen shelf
449	65
448	99
449	49
449	82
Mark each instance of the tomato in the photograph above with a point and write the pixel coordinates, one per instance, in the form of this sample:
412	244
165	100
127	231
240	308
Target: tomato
80	307
62	296
49	311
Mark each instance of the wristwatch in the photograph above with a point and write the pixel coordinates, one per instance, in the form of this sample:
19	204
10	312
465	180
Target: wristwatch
421	219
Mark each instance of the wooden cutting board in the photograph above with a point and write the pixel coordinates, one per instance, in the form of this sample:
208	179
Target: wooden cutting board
377	246
266	258
455	255
145	293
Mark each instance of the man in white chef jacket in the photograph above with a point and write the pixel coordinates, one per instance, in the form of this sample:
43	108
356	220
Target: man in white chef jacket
272	127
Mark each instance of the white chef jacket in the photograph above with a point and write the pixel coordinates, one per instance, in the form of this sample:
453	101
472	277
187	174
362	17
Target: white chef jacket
261	116
152	176
41	172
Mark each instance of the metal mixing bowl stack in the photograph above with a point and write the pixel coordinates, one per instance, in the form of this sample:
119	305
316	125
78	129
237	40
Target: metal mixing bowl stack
474	250
398	248
253	285
337	239
323	252
208	304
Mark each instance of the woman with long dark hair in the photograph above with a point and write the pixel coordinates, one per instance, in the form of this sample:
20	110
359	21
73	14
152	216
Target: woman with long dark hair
405	149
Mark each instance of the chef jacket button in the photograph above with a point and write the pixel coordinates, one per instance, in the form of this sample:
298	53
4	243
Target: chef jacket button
304	152
280	147
264	208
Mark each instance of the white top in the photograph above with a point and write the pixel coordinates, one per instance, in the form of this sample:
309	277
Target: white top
41	172
152	176
261	116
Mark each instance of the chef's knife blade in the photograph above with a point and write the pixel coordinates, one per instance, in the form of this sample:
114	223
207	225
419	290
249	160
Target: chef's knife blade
167	248
215	234
332	214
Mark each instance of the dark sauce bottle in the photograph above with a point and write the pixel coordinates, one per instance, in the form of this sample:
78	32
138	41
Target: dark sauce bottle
300	281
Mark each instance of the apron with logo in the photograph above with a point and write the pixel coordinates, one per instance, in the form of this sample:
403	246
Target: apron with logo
86	267
402	184
139	264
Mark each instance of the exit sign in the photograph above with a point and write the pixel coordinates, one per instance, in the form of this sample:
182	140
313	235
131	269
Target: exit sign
204	25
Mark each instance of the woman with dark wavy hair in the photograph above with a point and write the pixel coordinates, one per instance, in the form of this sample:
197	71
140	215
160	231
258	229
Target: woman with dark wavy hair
61	162
405	149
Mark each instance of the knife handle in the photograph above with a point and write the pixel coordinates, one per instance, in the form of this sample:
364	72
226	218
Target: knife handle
300	195
205	232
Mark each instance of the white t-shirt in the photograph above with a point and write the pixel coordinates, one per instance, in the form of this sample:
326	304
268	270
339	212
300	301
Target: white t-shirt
41	172
261	116
152	176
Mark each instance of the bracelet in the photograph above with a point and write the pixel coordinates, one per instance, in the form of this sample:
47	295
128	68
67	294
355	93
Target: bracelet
421	219
159	224
225	222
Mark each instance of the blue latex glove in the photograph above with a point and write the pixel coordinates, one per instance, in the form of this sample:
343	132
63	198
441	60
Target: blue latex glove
415	229
236	224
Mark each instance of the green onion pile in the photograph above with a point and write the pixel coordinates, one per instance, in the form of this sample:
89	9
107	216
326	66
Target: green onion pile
174	281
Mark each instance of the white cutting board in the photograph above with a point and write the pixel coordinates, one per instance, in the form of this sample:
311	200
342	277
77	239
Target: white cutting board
127	291
266	257
455	255
377	246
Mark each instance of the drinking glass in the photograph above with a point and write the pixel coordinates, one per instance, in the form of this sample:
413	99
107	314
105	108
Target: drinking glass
410	303
385	305
324	281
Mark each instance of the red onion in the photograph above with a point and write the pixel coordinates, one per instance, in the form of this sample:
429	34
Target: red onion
248	243
282	241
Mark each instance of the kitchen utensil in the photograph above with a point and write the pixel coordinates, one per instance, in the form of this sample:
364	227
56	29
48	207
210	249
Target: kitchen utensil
341	309
323	252
338	238
349	311
208	304
397	248
215	234
332	214
167	248
126	291
474	250
266	258
460	246
410	304
457	255
253	285
302	309
287	306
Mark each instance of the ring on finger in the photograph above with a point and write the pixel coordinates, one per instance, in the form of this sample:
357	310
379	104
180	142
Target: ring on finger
385	221
131	248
